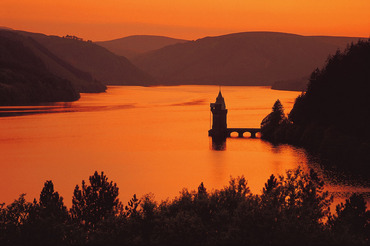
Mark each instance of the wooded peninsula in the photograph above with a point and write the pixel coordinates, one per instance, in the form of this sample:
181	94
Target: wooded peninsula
332	117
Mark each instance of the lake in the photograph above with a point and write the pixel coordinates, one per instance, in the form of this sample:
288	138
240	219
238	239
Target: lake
146	139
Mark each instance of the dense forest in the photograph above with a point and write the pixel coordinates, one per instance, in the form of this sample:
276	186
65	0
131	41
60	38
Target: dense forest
292	210
332	117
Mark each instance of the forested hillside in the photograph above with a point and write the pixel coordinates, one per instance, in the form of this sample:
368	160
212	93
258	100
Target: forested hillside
333	117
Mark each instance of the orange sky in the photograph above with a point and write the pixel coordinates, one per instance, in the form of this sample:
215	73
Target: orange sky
189	19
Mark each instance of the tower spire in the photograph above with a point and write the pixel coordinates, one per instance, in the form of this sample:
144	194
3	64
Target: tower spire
219	112
220	100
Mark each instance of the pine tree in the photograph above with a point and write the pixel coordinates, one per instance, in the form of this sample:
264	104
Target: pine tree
92	203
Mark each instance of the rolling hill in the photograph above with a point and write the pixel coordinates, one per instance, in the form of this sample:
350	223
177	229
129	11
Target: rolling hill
24	77
81	80
133	46
251	58
5	28
102	64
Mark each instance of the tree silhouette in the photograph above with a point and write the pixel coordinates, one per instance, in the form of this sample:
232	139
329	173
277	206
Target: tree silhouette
92	203
352	220
273	122
270	185
132	207
292	210
51	204
273	119
47	220
13	219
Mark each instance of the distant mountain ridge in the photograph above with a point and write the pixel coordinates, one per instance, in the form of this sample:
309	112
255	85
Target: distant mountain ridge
102	64
5	28
250	58
299	84
61	67
58	68
81	80
135	45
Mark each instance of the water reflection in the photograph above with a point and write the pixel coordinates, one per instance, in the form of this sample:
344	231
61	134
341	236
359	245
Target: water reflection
147	139
7	111
218	143
58	107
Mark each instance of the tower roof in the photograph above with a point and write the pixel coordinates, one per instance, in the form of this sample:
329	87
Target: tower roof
220	100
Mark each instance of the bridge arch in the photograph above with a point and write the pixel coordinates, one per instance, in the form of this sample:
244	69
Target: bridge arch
243	132
233	134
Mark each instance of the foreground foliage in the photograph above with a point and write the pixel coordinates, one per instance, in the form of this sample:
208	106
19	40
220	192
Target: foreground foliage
292	209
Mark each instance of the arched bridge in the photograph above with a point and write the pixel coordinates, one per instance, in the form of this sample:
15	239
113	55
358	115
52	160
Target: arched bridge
241	131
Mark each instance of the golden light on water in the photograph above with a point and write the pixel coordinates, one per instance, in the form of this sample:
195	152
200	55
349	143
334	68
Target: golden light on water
147	139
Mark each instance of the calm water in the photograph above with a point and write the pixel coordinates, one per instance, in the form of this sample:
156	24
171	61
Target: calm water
146	140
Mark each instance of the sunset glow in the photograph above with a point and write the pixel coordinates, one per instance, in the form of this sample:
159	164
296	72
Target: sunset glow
184	122
104	20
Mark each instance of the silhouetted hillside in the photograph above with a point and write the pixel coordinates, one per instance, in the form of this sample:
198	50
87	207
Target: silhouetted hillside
81	80
333	117
102	64
253	58
24	78
5	28
132	46
338	94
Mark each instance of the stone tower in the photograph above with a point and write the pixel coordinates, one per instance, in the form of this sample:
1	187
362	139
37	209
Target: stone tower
219	112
